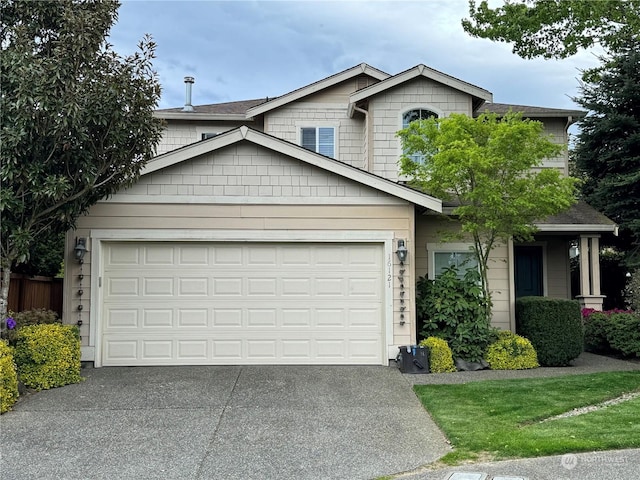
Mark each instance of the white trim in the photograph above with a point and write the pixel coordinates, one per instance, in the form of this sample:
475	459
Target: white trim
99	236
424	71
316	87
241	200
512	284
571	227
420	106
335	124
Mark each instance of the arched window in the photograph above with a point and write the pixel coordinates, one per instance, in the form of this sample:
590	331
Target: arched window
413	115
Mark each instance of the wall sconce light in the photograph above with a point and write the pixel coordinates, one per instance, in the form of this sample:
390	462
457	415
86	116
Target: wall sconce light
402	251
80	249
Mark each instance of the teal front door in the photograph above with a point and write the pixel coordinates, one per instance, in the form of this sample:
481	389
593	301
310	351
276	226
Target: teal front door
529	279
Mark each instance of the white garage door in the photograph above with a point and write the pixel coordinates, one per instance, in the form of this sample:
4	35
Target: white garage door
256	303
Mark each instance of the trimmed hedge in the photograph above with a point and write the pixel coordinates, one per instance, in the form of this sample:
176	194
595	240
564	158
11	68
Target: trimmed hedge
8	378
440	357
623	333
48	355
554	327
595	332
511	352
36	316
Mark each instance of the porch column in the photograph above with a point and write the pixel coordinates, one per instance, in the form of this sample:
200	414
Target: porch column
590	296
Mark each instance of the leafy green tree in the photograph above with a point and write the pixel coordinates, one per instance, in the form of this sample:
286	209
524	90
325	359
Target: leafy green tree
76	118
554	28
607	152
486	166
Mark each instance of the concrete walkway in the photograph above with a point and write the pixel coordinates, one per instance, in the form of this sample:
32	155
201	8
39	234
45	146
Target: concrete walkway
221	422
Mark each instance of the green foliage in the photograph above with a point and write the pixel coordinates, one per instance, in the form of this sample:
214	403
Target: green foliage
596	325
45	256
76	118
632	291
511	352
485	165
48	355
454	309
607	152
8	378
623	333
36	316
554	327
554	28
440	356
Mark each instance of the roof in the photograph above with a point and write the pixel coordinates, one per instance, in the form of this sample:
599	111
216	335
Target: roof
480	94
284	147
528	110
352	72
213	111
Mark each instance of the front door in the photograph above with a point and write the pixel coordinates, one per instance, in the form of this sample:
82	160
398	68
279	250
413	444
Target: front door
529	279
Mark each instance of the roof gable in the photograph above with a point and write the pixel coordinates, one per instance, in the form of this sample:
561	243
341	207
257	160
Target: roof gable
316	87
480	94
302	154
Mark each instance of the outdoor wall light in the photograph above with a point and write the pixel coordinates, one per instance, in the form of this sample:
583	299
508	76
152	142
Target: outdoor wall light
80	249
402	251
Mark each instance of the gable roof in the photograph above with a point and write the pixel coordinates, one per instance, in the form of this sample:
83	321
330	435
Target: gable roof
480	94
327	82
528	110
278	145
213	111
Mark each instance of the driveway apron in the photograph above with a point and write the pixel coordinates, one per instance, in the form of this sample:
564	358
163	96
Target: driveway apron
227	422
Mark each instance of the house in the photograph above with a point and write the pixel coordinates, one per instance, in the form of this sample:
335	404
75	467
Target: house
278	231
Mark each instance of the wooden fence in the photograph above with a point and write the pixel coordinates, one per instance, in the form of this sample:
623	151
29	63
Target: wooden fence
27	292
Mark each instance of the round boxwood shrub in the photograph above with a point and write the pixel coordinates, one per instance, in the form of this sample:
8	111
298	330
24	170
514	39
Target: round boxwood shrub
440	357
511	352
554	327
8	378
48	356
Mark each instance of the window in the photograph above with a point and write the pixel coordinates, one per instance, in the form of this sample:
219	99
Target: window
319	139
412	116
462	260
206	136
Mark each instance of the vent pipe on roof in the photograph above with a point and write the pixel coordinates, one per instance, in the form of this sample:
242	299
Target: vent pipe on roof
188	82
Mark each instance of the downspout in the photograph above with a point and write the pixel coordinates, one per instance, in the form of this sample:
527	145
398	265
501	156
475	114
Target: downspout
367	163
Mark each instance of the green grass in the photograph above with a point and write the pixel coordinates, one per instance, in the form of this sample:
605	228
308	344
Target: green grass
501	419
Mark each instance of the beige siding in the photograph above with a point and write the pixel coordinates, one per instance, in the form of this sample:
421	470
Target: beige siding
387	109
557	128
429	230
177	134
247	170
558	270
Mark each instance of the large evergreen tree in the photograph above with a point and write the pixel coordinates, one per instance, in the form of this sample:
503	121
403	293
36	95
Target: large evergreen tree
76	118
608	149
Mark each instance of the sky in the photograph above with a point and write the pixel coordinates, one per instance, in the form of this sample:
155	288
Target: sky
240	50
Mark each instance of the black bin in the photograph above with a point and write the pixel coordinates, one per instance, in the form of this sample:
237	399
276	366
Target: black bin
413	360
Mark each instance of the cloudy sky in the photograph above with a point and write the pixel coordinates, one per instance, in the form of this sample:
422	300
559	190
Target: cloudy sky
239	50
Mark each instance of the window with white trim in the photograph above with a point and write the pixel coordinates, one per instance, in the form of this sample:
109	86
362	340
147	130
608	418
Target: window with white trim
413	115
319	139
443	256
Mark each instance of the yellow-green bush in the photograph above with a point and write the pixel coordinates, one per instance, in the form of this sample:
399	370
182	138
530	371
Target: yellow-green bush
511	352
8	378
48	355
440	357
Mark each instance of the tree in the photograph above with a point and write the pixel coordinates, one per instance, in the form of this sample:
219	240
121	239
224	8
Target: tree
77	120
554	28
485	165
607	151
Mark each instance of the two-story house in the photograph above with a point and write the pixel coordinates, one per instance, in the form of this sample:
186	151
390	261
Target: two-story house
278	231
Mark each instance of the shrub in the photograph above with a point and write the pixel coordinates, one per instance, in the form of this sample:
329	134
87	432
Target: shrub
37	316
454	309
48	355
8	378
632	291
596	325
553	326
440	357
511	352
623	333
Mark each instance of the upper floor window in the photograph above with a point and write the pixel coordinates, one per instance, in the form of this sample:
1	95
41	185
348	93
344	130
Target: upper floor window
412	116
319	139
207	135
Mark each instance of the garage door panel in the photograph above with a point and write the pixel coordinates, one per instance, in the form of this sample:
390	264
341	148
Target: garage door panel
249	304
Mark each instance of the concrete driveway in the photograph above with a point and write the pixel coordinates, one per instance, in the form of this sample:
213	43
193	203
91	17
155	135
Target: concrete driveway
221	422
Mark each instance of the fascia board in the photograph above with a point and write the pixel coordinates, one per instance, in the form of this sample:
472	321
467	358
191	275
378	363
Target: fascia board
572	227
316	87
201	116
421	70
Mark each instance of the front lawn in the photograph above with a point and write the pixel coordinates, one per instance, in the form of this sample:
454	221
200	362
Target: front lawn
501	419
